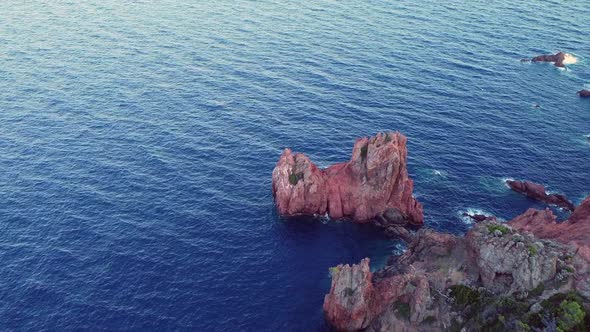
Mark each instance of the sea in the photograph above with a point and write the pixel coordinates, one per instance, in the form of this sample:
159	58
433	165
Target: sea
138	138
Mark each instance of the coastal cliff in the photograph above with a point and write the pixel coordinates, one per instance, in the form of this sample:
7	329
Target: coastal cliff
374	184
531	273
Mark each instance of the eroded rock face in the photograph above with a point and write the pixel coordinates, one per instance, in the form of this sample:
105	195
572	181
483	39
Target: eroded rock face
412	292
559	59
349	305
574	231
510	262
537	191
584	93
373	182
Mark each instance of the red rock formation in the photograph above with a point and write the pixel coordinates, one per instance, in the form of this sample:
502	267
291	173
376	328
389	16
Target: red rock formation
584	93
537	191
412	290
575	230
355	299
348	305
373	181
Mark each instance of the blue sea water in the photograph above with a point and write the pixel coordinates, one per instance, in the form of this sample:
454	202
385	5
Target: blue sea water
137	141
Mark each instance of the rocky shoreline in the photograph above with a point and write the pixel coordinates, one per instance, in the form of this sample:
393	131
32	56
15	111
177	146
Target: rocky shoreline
529	274
517	276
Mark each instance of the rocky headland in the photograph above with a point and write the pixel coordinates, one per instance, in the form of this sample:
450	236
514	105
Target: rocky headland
529	274
373	186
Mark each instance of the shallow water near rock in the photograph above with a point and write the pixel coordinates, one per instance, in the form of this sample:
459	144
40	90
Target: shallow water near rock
138	141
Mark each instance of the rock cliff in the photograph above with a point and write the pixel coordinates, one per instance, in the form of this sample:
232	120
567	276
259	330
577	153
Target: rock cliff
373	184
487	280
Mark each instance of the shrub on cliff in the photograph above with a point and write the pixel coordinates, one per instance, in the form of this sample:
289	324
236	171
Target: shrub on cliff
571	316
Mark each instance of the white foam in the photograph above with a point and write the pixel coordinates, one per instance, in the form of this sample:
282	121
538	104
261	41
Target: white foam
569	59
438	173
504	180
399	248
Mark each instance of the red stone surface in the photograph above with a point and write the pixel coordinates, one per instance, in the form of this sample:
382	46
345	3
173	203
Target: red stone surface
374	180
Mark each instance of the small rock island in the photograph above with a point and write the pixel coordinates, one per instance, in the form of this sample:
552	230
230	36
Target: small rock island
559	59
373	186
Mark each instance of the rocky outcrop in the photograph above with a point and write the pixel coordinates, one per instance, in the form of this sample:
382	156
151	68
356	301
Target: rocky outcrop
537	191
350	305
441	281
559	59
584	93
574	231
510	262
373	184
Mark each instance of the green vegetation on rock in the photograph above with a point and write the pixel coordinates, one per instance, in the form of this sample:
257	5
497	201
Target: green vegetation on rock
464	295
403	310
295	177
532	249
334	270
483	311
537	290
571	316
495	227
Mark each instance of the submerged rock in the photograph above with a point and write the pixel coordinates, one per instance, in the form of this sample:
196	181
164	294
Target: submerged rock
537	191
478	217
373	184
584	93
559	59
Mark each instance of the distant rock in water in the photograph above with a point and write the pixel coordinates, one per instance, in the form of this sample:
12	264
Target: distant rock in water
559	59
537	191
584	93
373	184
